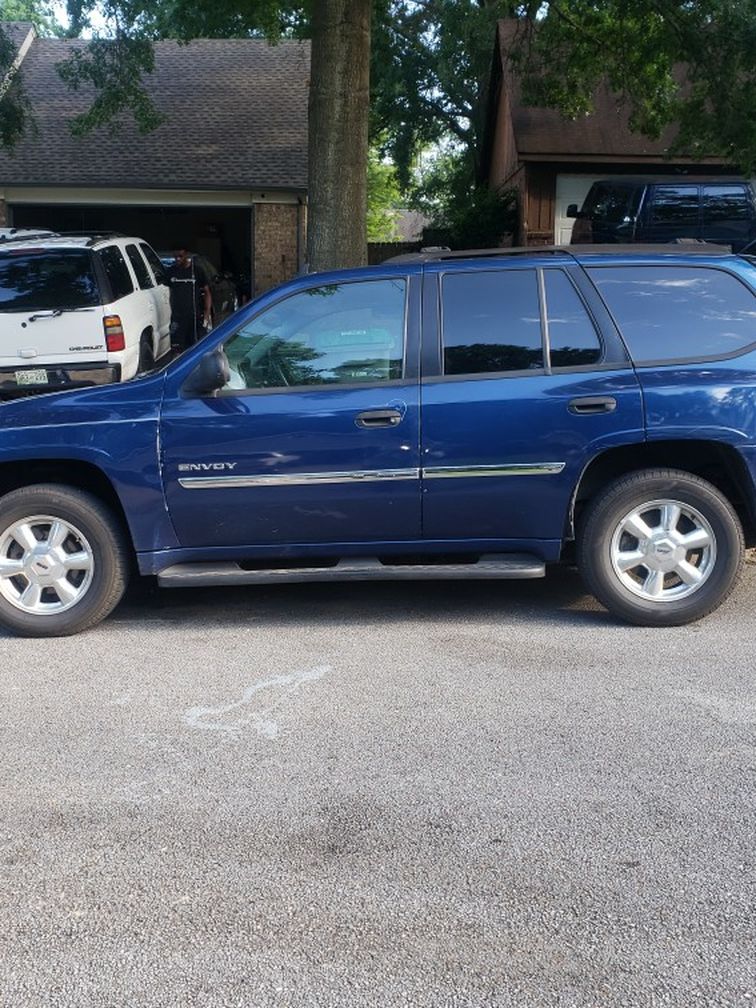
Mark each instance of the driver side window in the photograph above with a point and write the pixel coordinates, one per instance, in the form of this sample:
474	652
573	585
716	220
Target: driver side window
339	334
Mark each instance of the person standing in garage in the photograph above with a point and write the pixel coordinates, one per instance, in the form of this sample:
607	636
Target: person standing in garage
191	301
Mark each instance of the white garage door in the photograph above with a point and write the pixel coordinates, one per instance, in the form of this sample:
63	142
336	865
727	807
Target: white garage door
569	189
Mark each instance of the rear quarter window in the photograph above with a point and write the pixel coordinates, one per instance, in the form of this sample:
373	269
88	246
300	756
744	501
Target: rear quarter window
671	313
140	267
116	271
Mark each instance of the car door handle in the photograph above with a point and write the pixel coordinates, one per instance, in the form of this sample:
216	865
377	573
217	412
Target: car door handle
378	418
592	404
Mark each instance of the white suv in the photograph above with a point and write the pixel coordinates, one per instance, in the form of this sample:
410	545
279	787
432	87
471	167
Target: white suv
79	310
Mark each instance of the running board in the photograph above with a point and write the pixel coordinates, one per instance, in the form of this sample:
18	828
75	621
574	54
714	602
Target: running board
491	566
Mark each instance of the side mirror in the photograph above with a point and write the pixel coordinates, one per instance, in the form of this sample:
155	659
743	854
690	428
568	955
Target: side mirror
210	375
572	210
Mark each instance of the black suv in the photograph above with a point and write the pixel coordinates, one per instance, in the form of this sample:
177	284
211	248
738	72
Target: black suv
622	209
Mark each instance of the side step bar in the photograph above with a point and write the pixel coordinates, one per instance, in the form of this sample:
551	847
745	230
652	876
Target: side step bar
491	566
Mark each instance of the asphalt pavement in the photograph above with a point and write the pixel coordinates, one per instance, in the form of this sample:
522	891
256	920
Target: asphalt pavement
357	796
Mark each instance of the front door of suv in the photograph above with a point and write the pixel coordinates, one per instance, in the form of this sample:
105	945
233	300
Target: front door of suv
525	380
315	438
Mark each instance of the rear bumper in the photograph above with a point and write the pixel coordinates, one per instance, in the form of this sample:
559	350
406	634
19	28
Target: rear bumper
55	377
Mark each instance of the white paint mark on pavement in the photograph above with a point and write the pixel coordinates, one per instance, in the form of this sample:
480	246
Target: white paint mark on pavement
216	718
730	710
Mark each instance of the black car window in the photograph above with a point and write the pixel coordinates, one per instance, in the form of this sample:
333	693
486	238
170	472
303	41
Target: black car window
725	203
491	322
140	267
116	271
336	334
573	339
612	201
154	260
44	280
676	205
678	312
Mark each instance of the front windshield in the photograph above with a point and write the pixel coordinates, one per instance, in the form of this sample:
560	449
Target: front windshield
47	280
611	202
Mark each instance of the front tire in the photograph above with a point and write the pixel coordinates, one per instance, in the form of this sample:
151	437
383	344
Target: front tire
661	547
63	561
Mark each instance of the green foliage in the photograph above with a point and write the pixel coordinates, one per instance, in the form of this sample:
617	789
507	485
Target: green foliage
462	212
41	15
688	64
14	105
430	72
682	63
383	198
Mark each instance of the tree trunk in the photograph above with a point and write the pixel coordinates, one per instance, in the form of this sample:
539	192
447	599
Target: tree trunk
338	121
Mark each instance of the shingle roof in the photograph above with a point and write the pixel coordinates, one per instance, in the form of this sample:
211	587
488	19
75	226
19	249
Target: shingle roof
604	133
16	31
236	117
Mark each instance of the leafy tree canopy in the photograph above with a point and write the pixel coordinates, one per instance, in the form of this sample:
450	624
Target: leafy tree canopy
383	198
688	63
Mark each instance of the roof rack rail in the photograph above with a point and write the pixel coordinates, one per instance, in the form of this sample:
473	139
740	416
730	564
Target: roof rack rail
94	236
24	234
671	248
438	254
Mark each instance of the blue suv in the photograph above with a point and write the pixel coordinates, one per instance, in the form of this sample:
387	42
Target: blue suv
444	415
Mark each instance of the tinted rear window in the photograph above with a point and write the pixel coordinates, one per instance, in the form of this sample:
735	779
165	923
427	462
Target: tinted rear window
573	338
675	205
157	267
46	280
140	267
117	271
678	313
491	322
725	203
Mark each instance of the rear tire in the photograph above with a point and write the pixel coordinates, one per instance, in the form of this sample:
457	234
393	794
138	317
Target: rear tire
146	355
661	547
64	561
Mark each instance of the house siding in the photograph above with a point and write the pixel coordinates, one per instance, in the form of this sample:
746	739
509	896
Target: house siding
538	205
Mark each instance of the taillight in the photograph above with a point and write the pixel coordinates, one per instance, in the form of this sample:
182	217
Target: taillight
114	338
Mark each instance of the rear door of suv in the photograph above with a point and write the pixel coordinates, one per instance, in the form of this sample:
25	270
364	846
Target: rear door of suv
525	379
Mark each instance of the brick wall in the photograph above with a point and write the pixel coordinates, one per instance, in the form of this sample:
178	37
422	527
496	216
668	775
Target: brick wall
276	248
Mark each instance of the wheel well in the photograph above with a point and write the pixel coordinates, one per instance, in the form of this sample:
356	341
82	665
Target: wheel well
66	472
720	464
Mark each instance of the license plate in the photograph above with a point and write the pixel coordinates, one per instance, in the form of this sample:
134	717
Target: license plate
36	376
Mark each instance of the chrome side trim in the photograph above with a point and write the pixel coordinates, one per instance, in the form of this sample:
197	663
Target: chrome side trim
515	469
296	479
370	476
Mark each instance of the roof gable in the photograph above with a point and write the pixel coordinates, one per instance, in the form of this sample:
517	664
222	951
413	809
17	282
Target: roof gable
605	132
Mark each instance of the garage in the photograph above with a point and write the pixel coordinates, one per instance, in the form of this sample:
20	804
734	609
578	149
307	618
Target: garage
224	174
221	234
